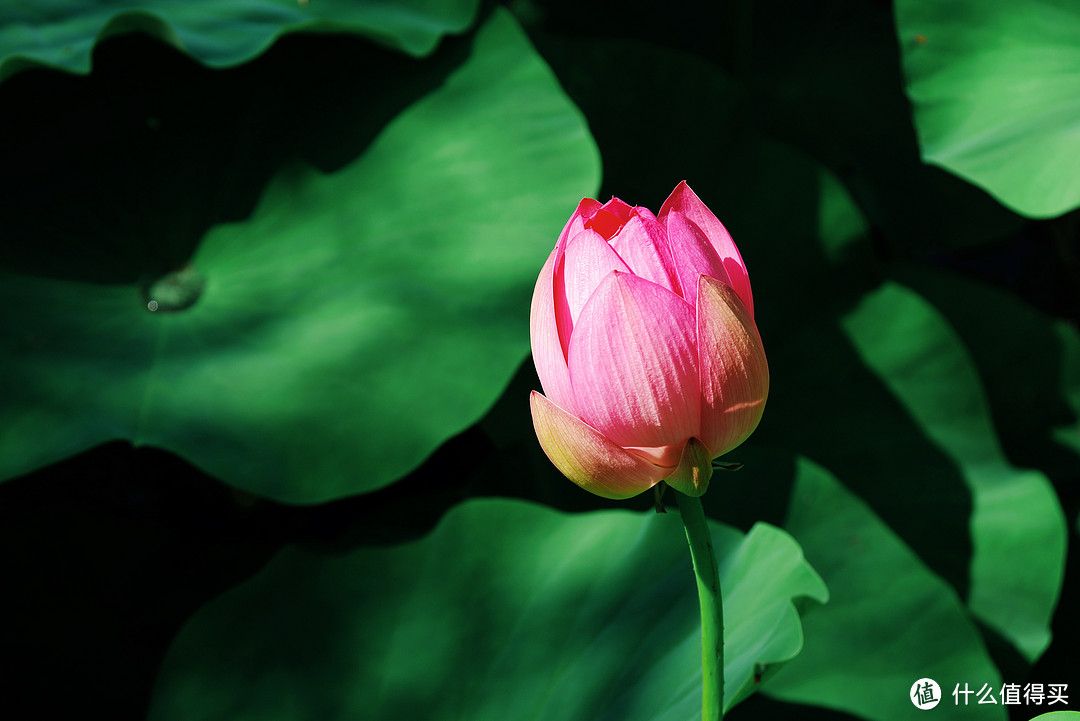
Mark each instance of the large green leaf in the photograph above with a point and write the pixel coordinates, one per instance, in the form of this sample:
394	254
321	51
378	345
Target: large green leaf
354	322
995	86
506	608
1031	375
890	621
62	33
1017	526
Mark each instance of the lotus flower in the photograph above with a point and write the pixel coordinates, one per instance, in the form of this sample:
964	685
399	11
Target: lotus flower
644	339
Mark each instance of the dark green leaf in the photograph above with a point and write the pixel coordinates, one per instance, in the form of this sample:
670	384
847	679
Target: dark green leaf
62	34
827	77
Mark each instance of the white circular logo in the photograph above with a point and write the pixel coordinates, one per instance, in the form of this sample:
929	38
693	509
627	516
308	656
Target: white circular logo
925	693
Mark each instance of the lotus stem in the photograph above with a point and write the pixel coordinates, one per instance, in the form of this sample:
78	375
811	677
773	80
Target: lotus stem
712	607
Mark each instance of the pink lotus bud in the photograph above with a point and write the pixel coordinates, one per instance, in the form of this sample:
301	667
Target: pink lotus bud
644	339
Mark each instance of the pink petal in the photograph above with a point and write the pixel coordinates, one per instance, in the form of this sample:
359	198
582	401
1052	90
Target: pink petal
547	350
686	202
589	259
585	210
633	364
586	457
693	255
643	245
618	208
563	318
604	223
663	456
553	313
607	220
734	372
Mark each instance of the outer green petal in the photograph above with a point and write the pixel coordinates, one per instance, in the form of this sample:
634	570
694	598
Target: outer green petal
694	470
587	457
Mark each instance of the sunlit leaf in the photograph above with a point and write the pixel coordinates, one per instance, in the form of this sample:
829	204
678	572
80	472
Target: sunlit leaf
995	86
1028	362
1017	526
889	622
506	605
352	324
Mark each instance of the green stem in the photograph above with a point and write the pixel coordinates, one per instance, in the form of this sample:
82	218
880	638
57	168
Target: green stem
712	607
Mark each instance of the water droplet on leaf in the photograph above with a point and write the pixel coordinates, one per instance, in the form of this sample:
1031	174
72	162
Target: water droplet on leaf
177	290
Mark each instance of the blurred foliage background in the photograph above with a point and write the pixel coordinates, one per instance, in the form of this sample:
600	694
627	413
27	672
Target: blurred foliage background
340	209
